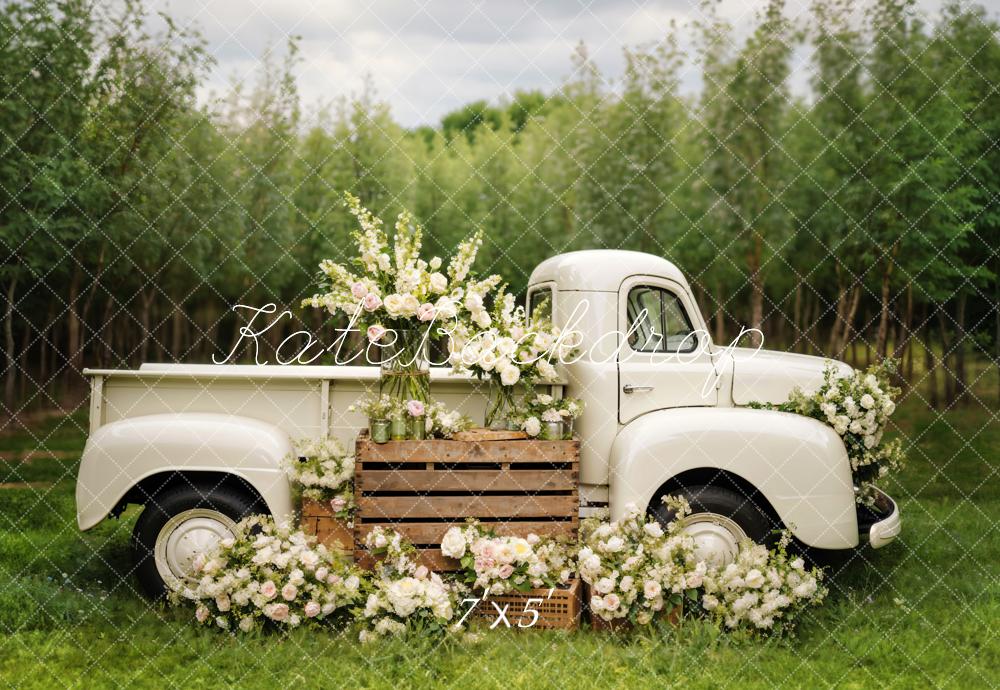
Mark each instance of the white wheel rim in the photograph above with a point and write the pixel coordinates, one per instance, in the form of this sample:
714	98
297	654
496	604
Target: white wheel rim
183	538
717	538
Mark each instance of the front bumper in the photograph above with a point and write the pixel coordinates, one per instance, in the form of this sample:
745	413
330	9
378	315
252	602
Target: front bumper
881	524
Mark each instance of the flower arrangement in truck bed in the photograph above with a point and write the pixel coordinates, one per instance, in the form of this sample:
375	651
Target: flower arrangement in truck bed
636	569
324	472
762	590
270	576
498	565
857	407
404	596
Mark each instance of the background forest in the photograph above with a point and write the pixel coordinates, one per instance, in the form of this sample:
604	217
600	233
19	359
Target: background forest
856	219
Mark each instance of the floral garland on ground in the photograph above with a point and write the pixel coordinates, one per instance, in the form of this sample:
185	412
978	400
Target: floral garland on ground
857	406
324	472
635	568
762	590
270	576
500	565
404	596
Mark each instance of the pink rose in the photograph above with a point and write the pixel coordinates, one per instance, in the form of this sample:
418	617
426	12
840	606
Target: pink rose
321	573
337	504
312	609
371	302
358	290
506	571
421	572
278	612
201	614
375	333
269	589
426	312
415	408
289	591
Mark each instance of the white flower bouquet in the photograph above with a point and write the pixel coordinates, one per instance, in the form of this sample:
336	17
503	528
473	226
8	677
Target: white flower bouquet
506	348
396	297
546	409
444	423
404	596
269	576
858	408
636	568
323	472
762	590
499	565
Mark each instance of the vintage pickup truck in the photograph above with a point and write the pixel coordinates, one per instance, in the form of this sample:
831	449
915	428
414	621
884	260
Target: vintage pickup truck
202	445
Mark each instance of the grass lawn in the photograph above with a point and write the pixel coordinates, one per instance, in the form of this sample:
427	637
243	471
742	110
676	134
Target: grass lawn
923	612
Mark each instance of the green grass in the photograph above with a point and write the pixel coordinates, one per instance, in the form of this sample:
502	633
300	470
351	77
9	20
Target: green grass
922	612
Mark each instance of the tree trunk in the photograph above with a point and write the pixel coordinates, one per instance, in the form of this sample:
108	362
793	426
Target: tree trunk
145	312
930	367
756	289
797	319
10	382
73	327
176	333
947	373
881	337
961	390
720	320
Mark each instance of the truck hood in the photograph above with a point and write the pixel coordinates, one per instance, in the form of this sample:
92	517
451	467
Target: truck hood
767	376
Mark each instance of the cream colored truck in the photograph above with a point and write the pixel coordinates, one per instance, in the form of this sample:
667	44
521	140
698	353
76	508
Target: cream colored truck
202	445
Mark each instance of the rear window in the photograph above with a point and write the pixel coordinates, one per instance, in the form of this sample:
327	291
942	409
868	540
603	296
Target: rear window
541	301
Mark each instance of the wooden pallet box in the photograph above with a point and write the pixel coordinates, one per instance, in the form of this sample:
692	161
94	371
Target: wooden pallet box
319	520
558	608
422	488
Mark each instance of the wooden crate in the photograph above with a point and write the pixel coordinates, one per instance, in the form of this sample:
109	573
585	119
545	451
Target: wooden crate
335	533
559	608
422	488
623	626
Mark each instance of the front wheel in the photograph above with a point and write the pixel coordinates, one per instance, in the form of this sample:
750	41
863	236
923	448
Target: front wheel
177	525
721	520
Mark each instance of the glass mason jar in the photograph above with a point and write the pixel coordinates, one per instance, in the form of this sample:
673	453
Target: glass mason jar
568	428
500	407
399	428
418	428
379	430
552	431
405	372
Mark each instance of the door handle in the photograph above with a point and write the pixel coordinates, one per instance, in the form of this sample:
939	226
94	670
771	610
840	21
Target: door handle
629	389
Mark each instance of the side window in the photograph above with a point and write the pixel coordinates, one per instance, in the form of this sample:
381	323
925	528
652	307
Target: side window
541	300
657	321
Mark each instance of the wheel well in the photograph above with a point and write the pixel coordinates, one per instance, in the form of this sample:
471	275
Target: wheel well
147	488
715	477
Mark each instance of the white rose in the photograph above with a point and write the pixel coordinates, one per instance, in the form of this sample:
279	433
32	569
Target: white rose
867	401
653	529
506	346
487	360
510	375
532	426
438	283
446	308
394	304
453	543
651	588
605	585
482	318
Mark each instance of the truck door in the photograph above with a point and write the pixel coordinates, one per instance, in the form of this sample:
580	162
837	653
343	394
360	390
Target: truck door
666	358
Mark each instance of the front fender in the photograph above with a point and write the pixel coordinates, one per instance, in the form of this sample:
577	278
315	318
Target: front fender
799	464
121	454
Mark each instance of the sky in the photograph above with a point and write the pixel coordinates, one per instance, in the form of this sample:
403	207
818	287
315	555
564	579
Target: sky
428	57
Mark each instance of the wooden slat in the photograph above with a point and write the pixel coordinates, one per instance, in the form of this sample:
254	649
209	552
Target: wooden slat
432	532
467	480
435	450
432	558
379	507
489	435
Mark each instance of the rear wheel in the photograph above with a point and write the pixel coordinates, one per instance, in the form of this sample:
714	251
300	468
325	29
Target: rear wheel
721	519
178	524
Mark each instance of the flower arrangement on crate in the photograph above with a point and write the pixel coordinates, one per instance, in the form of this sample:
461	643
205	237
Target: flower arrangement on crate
857	407
762	590
499	565
270	576
395	297
390	419
324	473
636	569
506	348
404	596
551	418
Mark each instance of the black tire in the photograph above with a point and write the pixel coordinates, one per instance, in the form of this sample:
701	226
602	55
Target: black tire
723	500
232	502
